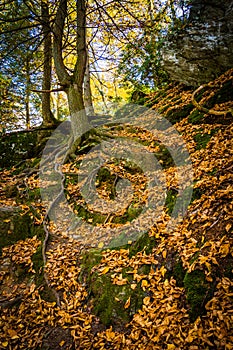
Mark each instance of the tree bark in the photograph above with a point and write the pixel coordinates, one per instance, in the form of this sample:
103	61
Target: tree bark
79	120
73	84
87	91
27	96
47	115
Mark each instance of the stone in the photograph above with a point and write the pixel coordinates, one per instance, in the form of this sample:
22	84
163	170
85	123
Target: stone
203	49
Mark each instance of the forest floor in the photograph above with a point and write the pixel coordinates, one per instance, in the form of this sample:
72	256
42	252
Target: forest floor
166	289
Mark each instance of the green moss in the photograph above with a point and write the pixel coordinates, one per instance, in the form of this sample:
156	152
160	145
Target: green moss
15	228
163	109
105	176
109	300
228	268
89	259
91	217
175	115
119	241
34	195
145	243
197	193
164	157
224	94
202	139
178	272
198	293
196	117
170	200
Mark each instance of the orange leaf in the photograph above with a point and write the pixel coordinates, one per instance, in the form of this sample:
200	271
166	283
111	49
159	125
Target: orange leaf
127	304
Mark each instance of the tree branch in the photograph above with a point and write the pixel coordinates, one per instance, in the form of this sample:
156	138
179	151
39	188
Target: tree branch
48	91
58	30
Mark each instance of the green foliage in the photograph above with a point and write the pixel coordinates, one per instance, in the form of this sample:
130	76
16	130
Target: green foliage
8	103
142	66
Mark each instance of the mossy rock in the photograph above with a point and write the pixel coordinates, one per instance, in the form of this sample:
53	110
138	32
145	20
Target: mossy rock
145	243
176	270
198	293
164	157
109	300
197	193
15	226
89	259
22	145
175	115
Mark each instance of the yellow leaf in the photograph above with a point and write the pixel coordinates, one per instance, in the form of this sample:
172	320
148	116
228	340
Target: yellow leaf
100	245
224	249
121	282
12	333
171	347
62	343
133	286
5	344
189	339
164	254
163	270
105	270
110	335
228	227
127	304
144	283
146	300
6	220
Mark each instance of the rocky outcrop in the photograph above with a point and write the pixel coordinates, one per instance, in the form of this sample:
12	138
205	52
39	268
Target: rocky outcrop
203	49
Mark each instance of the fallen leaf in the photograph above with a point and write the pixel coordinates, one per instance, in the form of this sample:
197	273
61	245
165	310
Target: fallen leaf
127	304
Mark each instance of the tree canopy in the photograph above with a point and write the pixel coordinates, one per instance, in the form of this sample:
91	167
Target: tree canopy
45	46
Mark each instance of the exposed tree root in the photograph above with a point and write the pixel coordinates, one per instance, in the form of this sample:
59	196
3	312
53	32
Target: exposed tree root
206	110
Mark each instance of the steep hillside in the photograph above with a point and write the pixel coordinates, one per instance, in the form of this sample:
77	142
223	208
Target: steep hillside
170	289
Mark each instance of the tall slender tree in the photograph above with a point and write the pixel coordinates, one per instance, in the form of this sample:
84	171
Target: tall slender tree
47	115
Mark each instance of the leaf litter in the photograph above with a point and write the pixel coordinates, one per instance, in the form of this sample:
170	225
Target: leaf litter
202	241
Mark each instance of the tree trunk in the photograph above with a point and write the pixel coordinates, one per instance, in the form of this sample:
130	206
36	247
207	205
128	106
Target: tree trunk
73	84
47	115
79	120
27	96
87	91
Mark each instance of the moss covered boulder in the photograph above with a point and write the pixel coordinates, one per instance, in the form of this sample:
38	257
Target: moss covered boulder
15	226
